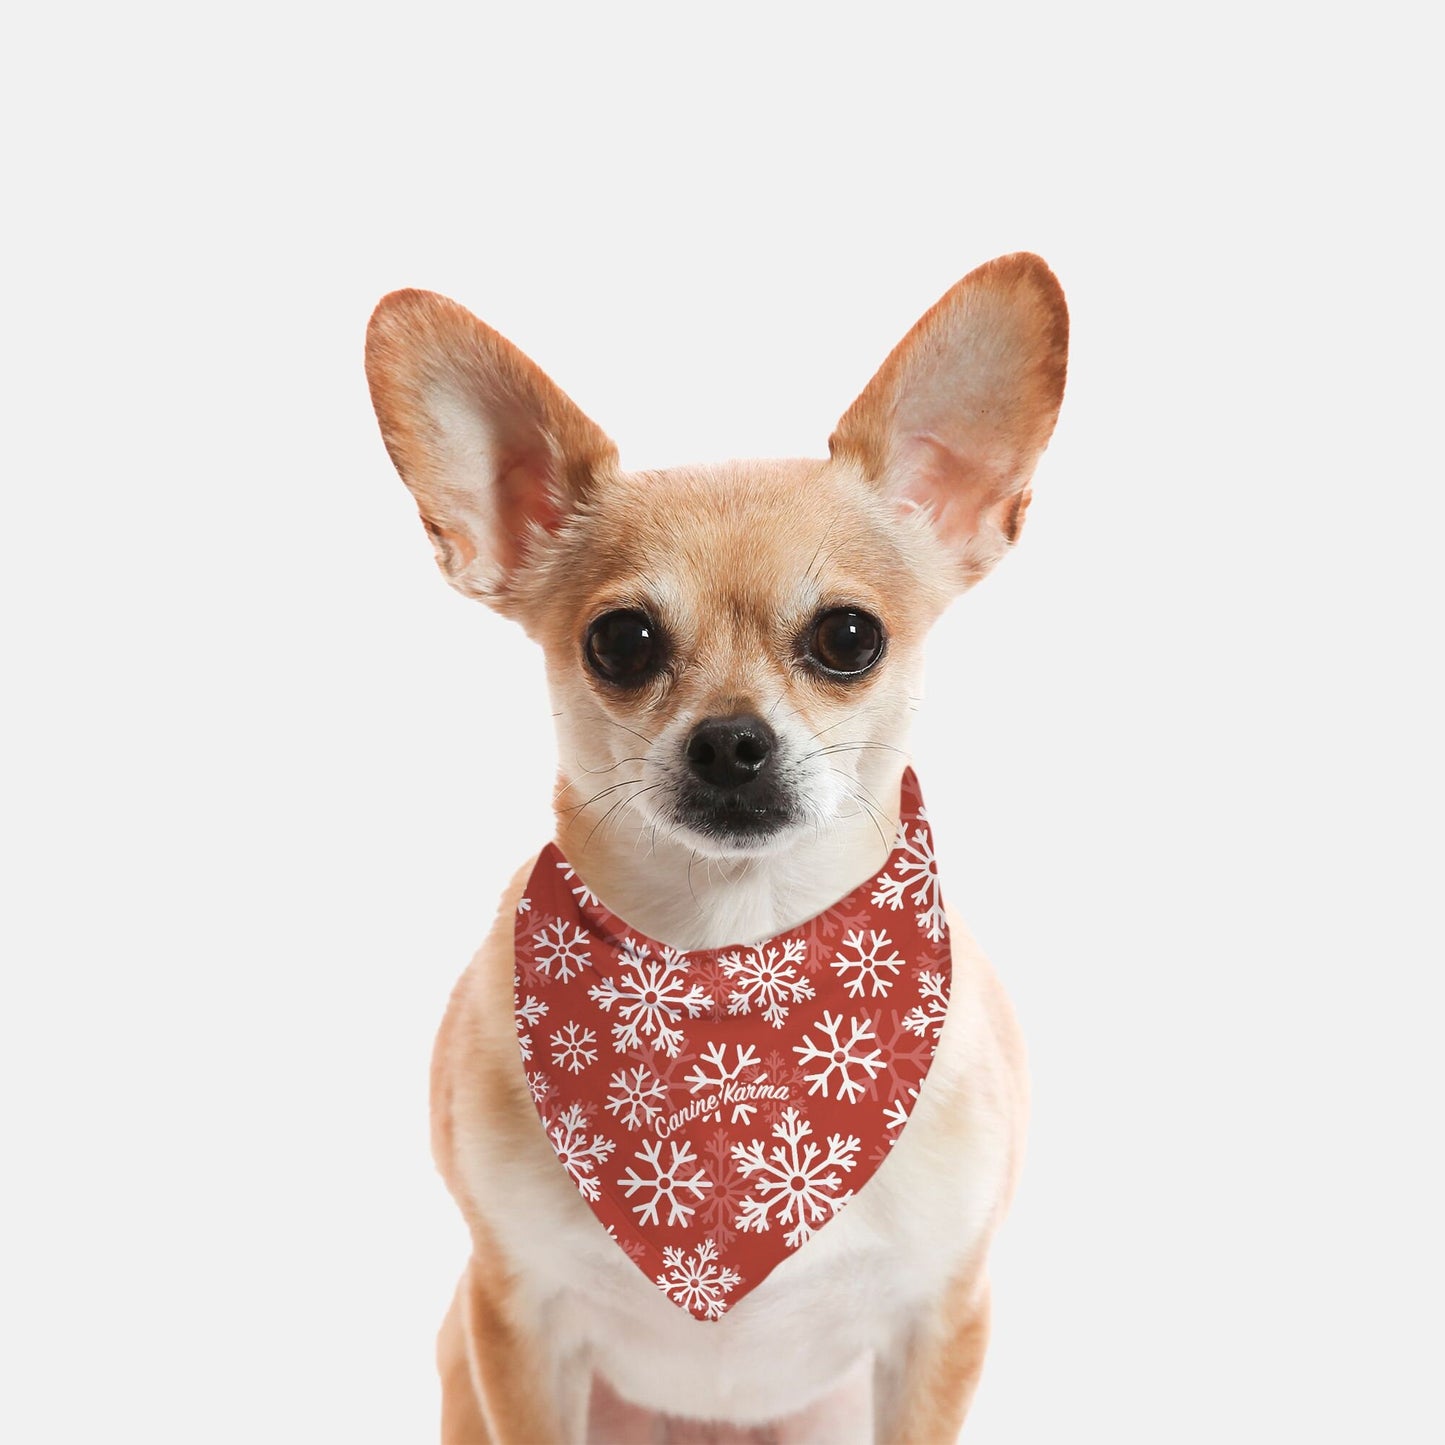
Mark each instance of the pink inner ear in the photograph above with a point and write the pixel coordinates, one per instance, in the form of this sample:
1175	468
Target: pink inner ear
956	490
524	496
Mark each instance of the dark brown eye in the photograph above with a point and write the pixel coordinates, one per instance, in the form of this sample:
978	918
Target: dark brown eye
624	647
846	641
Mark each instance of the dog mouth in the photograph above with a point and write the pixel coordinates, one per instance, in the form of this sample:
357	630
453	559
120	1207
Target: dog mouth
743	819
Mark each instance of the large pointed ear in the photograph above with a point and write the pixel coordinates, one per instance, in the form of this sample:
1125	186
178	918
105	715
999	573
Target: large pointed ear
956	418
495	455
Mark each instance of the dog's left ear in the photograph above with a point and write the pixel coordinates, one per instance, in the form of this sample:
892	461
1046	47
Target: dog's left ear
956	418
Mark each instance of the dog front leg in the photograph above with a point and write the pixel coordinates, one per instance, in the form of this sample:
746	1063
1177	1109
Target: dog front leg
921	1398
462	1422
518	1394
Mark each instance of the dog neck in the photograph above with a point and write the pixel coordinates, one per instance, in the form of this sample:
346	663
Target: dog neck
670	892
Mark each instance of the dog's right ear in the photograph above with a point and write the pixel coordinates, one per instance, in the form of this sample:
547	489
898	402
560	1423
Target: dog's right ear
495	454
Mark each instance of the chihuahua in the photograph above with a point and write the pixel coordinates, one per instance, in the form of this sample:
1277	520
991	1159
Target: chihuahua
733	653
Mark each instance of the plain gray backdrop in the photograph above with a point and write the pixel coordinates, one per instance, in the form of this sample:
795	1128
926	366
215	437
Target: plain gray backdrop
266	774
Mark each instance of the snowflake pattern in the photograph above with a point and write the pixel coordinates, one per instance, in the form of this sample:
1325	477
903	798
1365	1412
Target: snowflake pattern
827	926
539	1086
895	1116
528	1015
667	1068
580	1156
573	1045
667	1182
926	1019
767	978
706	970
796	1179
869	963
524	905
912	865
553	950
785	1070
835	1054
650	996
905	1055
637	1096
580	891
714	1058
531	1011
697	1281
717	1214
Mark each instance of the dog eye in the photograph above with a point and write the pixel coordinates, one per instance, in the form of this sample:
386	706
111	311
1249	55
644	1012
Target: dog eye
846	641
624	647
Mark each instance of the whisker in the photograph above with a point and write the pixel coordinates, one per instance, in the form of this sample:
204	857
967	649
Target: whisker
572	783
595	772
832	725
832	748
882	811
620	803
690	888
822	542
649	741
870	809
602	793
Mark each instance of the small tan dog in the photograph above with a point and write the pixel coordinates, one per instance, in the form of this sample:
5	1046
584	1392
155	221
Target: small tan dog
783	607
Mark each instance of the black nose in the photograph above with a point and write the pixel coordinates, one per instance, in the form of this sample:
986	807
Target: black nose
730	751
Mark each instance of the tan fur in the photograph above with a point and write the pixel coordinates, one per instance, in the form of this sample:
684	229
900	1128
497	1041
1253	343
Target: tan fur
461	1422
427	356
972	460
944	1368
926	488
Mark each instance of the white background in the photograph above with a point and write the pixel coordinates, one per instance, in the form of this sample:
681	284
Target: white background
266	774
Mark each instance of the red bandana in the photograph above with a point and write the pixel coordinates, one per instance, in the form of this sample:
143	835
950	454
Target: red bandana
717	1108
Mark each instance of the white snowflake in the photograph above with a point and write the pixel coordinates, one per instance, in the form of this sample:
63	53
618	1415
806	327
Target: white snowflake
582	893
714	1057
524	905
916	867
640	1093
574	1047
529	1013
537	1086
651	995
532	1010
767	976
697	1281
795	1178
869	962
666	1182
895	1116
552	949
927	1018
838	1055
581	1156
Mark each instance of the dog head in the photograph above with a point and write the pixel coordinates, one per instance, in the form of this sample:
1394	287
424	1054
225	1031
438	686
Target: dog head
733	651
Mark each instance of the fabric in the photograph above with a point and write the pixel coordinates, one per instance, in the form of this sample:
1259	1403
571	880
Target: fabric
717	1108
